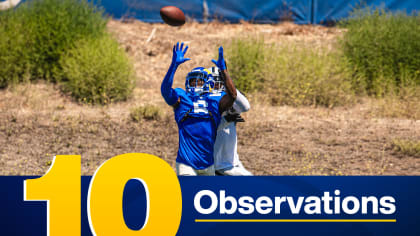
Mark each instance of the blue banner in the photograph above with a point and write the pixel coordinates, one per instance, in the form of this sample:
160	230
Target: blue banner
266	11
286	205
149	11
272	11
326	12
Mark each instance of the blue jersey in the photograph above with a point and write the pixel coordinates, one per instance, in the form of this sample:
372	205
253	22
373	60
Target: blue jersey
197	118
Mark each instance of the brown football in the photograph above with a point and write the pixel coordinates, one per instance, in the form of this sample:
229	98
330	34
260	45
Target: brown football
172	15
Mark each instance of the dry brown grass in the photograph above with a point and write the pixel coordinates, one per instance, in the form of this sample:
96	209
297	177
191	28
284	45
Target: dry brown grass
404	105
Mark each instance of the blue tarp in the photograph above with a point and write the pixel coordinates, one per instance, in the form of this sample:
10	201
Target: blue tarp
258	11
268	11
261	11
148	11
326	11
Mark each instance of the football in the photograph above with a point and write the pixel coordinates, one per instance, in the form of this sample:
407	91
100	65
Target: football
172	15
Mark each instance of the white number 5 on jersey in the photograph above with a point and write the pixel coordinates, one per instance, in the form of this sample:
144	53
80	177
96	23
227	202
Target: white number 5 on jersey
200	107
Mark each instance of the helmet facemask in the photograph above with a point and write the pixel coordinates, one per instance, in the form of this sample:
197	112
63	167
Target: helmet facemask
219	84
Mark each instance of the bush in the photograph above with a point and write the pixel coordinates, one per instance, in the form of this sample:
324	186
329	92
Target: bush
14	50
97	71
147	112
44	30
406	147
59	24
382	49
307	76
290	74
64	40
246	60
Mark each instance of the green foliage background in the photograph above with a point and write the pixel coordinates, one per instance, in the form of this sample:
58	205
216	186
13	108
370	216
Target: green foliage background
38	34
378	54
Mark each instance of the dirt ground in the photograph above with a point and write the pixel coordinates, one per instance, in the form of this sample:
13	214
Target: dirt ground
38	122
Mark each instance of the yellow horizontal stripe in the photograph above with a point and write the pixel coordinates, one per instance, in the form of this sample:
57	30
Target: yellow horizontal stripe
295	220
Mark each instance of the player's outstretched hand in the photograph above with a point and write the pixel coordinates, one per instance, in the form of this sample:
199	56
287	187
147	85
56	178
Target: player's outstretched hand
221	61
179	53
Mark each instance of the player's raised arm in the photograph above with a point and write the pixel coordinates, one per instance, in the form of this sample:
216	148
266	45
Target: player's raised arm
227	101
166	89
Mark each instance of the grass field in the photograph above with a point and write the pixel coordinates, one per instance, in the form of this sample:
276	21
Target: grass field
371	136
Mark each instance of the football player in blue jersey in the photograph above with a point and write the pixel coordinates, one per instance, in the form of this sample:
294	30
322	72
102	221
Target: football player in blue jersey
197	112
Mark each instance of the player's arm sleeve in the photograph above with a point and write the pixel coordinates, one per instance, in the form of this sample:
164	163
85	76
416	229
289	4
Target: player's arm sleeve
168	93
241	103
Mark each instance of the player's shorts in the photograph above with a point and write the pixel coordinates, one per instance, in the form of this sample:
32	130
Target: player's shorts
238	170
185	170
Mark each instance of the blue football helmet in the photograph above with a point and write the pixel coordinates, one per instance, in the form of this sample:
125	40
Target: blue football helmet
199	81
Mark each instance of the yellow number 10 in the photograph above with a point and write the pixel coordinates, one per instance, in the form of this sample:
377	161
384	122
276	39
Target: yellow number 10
60	187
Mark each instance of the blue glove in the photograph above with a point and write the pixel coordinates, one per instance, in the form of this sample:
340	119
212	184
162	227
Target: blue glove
178	54
221	61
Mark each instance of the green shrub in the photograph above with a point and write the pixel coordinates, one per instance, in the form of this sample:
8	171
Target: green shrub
97	71
14	50
290	74
147	112
41	31
307	76
246	60
59	24
382	49
406	147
